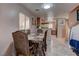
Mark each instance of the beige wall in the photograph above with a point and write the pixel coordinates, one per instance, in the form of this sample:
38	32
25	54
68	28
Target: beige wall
72	18
63	15
9	22
62	29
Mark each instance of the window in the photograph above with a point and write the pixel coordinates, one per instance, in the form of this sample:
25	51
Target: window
27	25
23	22
50	25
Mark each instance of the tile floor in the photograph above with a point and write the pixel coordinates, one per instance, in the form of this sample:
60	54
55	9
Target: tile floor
56	48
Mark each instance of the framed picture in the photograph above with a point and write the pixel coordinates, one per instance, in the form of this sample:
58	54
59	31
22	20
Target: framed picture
77	15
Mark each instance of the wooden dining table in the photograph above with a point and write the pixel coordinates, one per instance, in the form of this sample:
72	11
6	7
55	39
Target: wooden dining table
37	38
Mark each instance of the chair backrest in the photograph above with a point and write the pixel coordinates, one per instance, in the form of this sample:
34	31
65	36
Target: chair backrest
39	31
28	31
21	42
45	36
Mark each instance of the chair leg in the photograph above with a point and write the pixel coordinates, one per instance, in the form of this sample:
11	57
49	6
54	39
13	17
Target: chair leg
17	54
43	52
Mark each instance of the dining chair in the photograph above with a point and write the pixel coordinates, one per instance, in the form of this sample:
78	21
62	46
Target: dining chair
28	31
39	31
44	41
21	44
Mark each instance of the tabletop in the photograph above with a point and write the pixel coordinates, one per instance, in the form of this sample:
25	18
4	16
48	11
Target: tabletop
36	37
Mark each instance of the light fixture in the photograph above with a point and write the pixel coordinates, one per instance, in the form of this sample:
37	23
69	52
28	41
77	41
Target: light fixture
47	6
36	9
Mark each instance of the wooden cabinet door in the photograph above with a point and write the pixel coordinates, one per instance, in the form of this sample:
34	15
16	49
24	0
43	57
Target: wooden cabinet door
38	20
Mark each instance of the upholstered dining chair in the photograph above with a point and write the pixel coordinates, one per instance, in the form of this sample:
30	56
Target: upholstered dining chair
21	44
44	41
39	31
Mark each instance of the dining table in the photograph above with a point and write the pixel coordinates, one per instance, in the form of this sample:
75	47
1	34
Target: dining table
37	38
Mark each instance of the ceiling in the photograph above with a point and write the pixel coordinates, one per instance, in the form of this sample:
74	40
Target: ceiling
61	8
33	6
58	8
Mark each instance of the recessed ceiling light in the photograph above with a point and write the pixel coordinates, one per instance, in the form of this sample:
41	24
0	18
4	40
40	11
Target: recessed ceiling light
47	6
